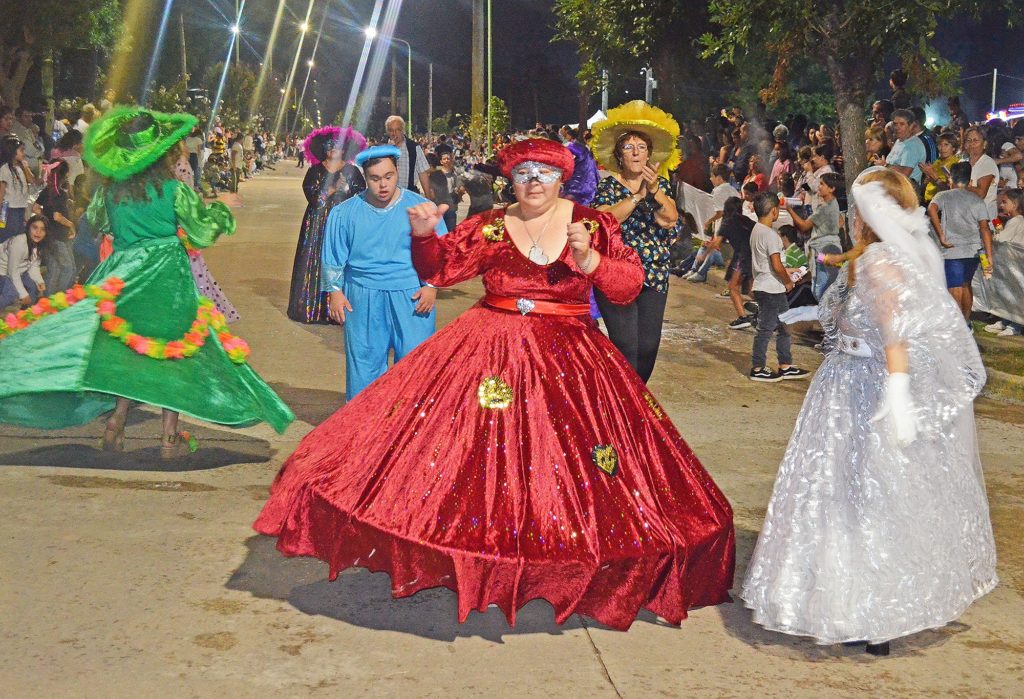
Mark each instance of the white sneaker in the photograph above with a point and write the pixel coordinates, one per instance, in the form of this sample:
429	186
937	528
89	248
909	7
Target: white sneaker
995	327
1008	332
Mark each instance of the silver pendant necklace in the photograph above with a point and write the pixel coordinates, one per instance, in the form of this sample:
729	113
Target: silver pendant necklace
536	254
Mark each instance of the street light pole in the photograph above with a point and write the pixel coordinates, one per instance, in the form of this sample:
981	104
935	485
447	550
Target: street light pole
430	102
490	93
371	33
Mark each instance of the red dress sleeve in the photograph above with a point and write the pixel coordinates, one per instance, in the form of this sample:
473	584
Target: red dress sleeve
452	258
619	274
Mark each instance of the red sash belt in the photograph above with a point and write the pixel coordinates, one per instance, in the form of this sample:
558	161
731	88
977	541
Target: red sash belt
527	306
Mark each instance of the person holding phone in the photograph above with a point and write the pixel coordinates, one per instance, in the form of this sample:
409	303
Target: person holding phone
937	174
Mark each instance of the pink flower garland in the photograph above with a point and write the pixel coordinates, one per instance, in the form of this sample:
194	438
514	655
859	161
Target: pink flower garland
207	318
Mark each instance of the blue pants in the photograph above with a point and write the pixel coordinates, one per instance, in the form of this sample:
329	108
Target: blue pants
8	294
380	321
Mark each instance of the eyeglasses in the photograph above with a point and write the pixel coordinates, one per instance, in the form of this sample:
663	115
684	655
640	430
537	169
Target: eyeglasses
638	147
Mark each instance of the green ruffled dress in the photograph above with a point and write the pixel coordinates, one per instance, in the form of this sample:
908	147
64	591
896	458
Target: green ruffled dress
65	369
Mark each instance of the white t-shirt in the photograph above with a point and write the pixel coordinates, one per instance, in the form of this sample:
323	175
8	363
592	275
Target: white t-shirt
16	194
765	242
720	195
1013	231
987	166
1007	171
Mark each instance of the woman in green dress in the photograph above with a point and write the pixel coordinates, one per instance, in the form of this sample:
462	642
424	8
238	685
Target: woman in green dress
138	330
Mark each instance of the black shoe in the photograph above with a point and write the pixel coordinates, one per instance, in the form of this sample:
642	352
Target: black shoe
793	373
764	375
740	323
879	649
751	307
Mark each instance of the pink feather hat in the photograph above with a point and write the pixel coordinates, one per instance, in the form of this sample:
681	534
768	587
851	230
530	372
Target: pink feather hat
347	138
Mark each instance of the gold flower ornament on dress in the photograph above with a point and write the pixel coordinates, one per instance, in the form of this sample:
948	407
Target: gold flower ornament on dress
494	394
494	232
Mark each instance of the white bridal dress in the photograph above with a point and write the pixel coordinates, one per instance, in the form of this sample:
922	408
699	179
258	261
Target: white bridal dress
865	540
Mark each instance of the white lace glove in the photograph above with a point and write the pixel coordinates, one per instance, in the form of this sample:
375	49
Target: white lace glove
898	406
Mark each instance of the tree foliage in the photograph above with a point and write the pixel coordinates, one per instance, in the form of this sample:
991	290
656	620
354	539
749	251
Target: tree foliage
31	28
853	39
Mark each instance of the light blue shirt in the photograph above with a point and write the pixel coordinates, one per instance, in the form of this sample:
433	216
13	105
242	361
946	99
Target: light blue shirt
908	153
370	246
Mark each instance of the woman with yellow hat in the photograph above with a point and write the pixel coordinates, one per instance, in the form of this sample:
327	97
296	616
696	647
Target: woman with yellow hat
637	144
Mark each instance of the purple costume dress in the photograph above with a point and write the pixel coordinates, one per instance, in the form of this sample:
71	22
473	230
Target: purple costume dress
205	282
306	303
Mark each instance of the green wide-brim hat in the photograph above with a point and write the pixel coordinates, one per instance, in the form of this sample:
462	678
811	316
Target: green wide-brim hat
114	152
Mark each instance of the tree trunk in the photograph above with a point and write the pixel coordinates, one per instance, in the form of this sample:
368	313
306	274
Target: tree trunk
583	100
13	73
850	76
47	79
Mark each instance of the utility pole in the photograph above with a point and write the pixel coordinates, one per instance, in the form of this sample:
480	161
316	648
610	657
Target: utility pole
238	37
604	90
490	86
995	77
477	103
184	60
394	85
430	101
649	85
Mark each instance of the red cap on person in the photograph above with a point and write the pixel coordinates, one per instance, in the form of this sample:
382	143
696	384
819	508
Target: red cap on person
541	150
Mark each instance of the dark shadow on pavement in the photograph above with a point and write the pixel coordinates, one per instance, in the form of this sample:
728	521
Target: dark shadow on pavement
310	405
363	599
69	455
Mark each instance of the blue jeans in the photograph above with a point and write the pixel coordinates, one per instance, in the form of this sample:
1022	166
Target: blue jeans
8	294
61	268
770	306
824	274
702	262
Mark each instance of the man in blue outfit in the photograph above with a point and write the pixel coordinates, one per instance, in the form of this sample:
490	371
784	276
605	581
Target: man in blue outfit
367	269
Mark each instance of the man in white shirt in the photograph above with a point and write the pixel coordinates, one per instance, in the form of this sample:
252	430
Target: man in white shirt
720	193
412	164
22	128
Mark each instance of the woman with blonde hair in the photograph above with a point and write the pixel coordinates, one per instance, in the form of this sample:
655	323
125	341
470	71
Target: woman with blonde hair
878	526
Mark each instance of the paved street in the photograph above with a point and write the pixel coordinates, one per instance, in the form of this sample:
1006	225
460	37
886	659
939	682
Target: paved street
122	577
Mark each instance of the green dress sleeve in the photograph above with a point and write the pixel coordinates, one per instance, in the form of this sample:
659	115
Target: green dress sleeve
202	224
97	211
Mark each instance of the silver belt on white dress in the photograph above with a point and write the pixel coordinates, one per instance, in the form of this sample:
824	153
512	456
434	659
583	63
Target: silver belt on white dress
853	346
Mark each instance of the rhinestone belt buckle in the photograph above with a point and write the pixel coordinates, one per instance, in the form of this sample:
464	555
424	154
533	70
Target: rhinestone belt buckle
525	305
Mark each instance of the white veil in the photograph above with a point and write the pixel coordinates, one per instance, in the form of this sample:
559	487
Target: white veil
907	230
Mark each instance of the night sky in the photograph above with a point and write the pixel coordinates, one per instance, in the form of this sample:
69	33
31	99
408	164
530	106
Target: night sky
533	76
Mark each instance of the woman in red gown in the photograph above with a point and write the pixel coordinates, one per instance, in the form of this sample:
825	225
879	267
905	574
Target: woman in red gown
515	455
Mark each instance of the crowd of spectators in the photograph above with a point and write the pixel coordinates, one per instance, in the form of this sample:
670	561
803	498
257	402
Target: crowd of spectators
46	242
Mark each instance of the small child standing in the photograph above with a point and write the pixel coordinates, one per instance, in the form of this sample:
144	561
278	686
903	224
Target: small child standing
771	284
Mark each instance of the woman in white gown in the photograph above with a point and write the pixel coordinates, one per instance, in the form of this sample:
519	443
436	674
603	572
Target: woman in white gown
878	525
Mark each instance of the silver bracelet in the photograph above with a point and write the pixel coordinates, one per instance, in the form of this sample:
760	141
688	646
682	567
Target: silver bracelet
585	267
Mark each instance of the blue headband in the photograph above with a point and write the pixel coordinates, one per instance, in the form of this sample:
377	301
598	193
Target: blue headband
377	152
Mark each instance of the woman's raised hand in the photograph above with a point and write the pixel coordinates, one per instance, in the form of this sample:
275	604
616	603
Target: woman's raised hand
424	218
650	177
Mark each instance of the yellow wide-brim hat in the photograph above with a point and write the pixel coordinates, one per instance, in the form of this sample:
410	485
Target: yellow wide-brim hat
656	124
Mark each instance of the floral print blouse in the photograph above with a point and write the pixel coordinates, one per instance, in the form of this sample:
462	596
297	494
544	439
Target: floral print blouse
641	232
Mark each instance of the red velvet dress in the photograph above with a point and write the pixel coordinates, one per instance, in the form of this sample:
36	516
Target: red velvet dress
513	456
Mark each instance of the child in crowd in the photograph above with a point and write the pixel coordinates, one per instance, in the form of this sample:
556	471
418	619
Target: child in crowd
960	220
705	256
771	284
736	230
794	259
937	174
1011	208
20	278
823	225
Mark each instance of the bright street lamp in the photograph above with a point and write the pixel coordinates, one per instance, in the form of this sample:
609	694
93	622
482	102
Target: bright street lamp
235	29
309	63
304	27
371	33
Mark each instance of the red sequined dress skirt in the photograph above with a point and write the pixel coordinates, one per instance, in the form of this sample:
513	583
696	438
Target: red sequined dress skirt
511	458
